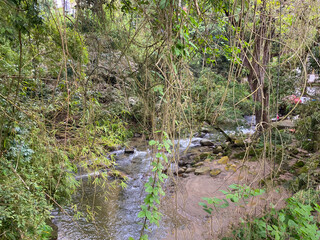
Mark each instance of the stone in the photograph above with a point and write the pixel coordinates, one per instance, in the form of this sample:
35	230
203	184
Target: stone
181	170
129	150
189	170
217	150
182	163
198	164
224	160
208	160
202	171
184	175
219	154
205	130
214	172
206	142
231	167
239	143
204	155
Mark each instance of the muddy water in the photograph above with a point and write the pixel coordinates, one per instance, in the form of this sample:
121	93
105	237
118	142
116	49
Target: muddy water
116	209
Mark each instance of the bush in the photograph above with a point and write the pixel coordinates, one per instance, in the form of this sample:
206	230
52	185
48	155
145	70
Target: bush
295	221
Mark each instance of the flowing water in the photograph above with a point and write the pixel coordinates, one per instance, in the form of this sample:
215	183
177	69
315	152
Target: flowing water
116	209
117	217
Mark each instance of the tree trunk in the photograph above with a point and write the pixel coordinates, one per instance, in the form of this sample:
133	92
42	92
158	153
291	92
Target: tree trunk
259	59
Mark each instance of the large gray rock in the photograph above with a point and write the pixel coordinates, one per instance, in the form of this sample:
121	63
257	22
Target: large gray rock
206	142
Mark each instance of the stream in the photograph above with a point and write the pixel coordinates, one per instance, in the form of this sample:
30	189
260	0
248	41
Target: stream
116	208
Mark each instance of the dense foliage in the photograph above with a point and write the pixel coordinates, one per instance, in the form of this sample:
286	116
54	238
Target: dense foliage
75	85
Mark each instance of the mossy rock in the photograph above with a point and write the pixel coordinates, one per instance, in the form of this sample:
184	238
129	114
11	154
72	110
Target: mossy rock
223	160
214	172
231	167
197	164
202	171
239	143
217	150
202	156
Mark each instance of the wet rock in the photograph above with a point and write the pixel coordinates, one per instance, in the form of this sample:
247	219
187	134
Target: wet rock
206	142
214	172
189	170
129	150
202	171
223	160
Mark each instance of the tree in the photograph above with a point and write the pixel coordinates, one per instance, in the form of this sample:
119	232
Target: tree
256	39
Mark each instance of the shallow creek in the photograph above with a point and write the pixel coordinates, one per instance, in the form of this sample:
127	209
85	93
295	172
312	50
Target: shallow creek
116	209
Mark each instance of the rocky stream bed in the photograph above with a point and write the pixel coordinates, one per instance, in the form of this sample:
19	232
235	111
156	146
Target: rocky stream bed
203	165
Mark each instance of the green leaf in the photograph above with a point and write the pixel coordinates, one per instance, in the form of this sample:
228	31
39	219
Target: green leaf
203	204
148	215
163	4
141	214
144	237
152	142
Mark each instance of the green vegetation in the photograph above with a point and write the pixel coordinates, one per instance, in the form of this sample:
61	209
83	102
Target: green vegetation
78	83
296	221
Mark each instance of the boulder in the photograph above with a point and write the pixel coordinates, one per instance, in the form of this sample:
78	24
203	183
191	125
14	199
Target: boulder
223	160
202	171
206	142
214	172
